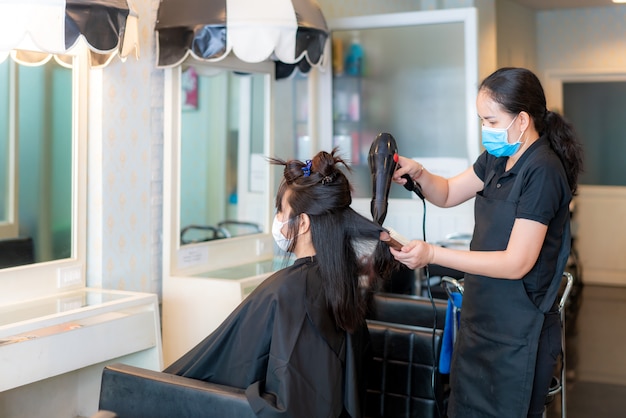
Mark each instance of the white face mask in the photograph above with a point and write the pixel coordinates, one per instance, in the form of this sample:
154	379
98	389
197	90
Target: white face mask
282	241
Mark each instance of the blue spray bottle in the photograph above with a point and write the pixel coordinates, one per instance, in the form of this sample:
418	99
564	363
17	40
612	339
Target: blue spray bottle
354	59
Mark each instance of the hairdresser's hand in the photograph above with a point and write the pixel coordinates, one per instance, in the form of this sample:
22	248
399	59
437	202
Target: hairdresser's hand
407	166
415	254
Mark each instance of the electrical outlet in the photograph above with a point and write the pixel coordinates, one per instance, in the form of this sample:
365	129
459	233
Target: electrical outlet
264	246
69	304
69	276
260	247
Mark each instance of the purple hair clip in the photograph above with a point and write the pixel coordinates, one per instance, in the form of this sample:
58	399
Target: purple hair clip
307	169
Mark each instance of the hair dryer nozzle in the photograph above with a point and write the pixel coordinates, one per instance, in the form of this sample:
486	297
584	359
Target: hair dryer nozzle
382	160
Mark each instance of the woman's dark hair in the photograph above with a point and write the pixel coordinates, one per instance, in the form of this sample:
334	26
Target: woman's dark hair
519	89
320	189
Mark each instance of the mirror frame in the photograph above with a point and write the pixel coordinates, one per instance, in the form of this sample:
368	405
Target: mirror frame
201	257
57	276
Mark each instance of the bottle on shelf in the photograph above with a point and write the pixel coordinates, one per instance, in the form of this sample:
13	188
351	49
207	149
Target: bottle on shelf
354	107
337	46
354	59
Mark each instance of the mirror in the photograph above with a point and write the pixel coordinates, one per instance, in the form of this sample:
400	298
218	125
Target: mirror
419	96
223	167
35	163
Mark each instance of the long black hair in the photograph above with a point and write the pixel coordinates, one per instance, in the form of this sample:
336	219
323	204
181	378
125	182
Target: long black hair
321	190
519	89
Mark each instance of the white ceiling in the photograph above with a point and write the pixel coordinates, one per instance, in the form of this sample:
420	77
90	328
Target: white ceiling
563	4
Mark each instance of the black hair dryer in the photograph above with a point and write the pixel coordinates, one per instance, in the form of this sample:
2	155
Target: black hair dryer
382	161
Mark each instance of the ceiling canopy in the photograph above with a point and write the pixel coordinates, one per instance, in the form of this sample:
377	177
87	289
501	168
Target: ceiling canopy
33	31
293	33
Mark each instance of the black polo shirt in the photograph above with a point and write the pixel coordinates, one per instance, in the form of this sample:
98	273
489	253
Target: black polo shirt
545	196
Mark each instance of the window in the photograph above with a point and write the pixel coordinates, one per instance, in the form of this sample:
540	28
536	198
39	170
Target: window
600	128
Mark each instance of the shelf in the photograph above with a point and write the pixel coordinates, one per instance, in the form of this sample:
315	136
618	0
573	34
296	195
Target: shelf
22	313
63	333
211	295
240	272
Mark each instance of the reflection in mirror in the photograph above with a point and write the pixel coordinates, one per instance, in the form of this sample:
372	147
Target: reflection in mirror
35	163
223	184
419	96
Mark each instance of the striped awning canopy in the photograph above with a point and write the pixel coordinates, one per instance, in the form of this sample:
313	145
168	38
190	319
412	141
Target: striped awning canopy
293	33
32	31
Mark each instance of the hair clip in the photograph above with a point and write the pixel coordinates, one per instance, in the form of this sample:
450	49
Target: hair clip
307	169
327	179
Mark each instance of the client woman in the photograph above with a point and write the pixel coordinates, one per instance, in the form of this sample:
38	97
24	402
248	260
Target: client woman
297	343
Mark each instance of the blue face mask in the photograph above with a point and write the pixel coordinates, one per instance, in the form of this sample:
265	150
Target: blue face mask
496	141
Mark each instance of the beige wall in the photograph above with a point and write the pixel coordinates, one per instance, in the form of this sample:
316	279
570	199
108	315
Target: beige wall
516	35
487	38
589	44
125	169
348	8
589	39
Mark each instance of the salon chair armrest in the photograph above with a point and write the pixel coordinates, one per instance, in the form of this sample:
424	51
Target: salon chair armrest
133	392
407	310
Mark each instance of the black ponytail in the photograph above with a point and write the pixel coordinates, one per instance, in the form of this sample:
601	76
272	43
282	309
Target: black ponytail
563	142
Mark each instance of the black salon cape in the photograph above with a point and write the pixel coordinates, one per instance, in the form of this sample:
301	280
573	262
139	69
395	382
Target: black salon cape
282	346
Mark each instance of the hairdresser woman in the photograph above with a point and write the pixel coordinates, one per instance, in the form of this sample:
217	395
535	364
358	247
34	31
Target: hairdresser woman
509	335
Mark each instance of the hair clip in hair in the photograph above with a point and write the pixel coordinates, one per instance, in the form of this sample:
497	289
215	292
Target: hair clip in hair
307	169
327	179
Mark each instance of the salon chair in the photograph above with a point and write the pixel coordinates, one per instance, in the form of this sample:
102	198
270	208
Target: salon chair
558	383
403	380
201	233
134	392
224	229
431	278
237	228
16	252
403	282
407	310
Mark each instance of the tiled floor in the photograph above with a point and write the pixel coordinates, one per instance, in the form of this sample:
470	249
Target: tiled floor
596	356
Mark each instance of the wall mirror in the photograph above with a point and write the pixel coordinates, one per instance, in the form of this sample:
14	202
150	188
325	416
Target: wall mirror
424	97
222	126
35	163
220	175
41	176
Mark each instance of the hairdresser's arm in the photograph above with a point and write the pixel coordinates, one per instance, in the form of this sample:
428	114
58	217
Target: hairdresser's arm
438	190
513	263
